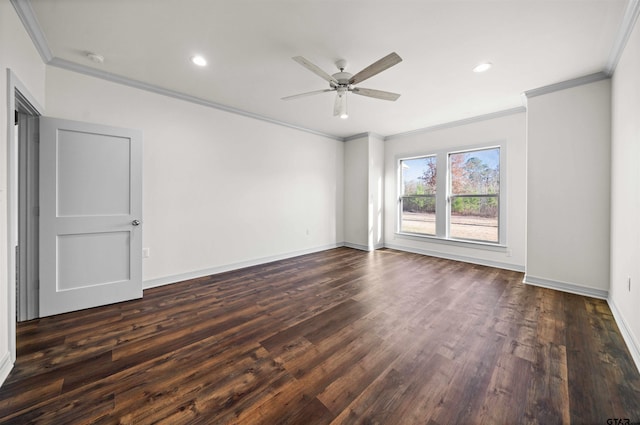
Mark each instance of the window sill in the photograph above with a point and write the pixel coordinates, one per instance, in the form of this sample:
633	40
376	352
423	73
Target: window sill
453	242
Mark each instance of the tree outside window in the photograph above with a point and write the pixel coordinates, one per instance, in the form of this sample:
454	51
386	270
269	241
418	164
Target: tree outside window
468	209
474	195
418	201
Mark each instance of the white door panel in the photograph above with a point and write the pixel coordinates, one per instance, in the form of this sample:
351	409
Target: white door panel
90	202
103	163
105	254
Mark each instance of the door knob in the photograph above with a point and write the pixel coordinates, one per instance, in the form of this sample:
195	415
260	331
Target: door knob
136	222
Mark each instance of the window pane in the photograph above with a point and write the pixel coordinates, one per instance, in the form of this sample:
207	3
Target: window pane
419	176
418	203
475	172
472	198
418	214
472	174
474	217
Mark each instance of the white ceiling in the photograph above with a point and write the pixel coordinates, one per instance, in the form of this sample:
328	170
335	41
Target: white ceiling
249	45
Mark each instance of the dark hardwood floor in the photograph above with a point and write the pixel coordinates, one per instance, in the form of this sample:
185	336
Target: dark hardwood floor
338	337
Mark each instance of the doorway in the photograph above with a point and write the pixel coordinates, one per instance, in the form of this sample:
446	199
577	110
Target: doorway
27	284
22	107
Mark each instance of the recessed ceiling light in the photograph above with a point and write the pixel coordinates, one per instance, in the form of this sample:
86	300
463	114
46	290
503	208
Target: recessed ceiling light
482	67
199	60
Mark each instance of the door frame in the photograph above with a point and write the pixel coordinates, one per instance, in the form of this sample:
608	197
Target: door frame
27	279
18	98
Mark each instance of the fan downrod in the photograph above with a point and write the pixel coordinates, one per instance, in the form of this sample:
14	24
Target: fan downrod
342	77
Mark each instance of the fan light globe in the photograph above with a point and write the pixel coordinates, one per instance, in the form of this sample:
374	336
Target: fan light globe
344	82
342	103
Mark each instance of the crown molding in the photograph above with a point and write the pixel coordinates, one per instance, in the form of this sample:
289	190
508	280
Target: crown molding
28	17
32	26
355	136
458	123
626	27
30	21
562	85
82	69
361	135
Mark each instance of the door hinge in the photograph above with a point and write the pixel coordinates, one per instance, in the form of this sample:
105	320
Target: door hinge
36	211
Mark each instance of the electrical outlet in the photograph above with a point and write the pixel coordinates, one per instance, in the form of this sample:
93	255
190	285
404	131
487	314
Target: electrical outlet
145	253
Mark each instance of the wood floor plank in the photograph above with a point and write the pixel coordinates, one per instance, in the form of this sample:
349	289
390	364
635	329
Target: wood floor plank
548	392
343	390
340	336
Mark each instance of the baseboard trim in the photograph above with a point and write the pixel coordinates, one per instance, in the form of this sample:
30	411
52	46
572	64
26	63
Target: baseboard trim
5	367
167	280
356	246
632	344
462	258
572	288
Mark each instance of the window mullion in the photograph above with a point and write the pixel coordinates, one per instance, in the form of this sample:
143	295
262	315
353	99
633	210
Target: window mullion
476	212
441	195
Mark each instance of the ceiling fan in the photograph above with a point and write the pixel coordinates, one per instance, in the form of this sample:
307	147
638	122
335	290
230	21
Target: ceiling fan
344	82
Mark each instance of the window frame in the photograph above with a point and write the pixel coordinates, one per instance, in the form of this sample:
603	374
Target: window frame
443	198
402	196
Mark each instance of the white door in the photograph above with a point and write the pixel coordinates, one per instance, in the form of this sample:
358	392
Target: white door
90	215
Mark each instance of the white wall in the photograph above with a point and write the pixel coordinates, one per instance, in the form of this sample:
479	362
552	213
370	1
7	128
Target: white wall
509	129
218	187
376	192
356	196
18	54
625	194
568	162
220	190
364	189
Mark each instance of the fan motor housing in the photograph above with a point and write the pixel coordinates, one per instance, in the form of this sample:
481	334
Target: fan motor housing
342	77
344	82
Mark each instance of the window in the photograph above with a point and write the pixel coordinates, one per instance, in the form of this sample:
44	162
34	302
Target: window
418	200
474	195
460	202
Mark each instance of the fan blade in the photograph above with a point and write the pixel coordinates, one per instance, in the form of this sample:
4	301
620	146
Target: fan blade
378	94
376	68
315	69
311	93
